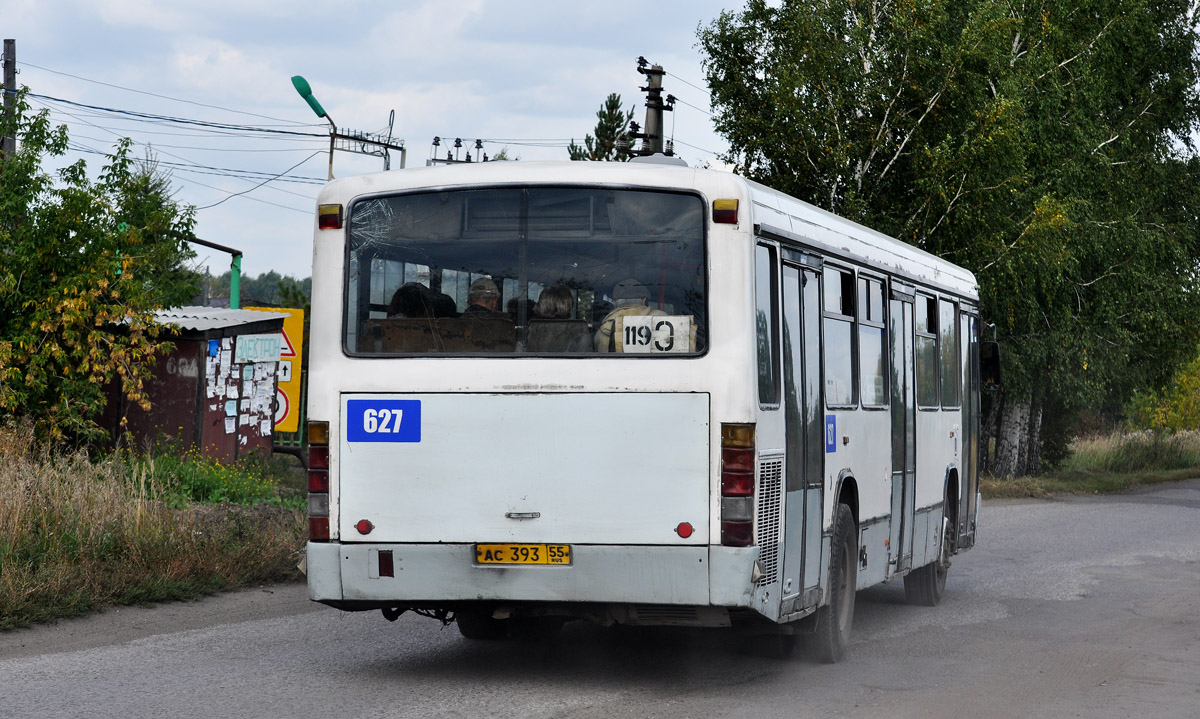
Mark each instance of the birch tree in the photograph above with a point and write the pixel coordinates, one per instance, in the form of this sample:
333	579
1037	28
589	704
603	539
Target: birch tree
1046	145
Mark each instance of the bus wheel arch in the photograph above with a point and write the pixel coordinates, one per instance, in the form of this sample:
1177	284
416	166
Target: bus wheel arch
847	494
951	506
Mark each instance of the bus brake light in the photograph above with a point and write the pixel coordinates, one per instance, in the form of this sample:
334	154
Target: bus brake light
329	217
737	484
725	212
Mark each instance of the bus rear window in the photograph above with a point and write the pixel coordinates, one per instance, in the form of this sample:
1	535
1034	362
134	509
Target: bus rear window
538	270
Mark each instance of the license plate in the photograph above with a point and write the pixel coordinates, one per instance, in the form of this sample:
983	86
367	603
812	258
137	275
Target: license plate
522	554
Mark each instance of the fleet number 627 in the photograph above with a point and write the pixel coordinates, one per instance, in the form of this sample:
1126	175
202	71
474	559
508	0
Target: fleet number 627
376	421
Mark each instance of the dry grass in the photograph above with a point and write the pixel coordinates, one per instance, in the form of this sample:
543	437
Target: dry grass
77	535
1109	463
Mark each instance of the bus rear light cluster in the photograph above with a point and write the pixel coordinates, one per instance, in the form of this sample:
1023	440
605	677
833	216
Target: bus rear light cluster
318	481
329	217
737	485
725	211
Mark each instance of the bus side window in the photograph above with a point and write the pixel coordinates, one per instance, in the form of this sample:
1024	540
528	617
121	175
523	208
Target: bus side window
840	385
948	338
927	356
766	292
872	336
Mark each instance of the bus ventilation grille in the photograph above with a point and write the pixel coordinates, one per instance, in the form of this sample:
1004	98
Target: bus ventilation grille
767	521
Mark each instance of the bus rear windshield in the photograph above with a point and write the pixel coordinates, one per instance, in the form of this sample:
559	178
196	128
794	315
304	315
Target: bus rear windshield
535	270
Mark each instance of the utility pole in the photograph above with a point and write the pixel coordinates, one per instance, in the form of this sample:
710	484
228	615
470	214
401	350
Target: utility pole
652	138
8	144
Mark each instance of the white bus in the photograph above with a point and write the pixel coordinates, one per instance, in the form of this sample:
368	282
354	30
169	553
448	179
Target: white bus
634	393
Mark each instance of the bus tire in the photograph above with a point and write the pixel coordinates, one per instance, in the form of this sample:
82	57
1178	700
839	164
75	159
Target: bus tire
832	634
925	585
480	625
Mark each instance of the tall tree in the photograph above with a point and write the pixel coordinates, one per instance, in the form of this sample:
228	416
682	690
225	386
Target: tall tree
82	270
612	125
1045	145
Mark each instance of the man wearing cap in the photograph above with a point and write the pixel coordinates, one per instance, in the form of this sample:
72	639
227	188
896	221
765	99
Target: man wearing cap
630	298
483	297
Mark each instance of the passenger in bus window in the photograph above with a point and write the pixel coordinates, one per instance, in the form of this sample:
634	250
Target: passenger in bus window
410	300
630	298
413	299
555	303
483	297
552	328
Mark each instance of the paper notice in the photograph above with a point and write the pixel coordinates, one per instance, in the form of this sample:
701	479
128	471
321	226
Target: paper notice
230	425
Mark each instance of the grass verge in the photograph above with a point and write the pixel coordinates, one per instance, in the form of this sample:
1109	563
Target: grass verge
77	535
1112	463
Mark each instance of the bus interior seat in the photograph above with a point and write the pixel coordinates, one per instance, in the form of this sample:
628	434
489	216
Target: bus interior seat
421	335
558	336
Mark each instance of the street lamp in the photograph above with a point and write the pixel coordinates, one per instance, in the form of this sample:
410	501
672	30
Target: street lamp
305	91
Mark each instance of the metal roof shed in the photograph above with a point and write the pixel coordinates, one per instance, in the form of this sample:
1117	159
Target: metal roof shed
217	389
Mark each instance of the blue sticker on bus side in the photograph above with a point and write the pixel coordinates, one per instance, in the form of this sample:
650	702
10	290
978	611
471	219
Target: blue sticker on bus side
830	433
383	420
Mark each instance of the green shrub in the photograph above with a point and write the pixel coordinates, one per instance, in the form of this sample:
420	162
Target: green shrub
78	534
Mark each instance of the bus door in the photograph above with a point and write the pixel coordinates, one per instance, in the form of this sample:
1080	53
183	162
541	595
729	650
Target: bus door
903	431
805	435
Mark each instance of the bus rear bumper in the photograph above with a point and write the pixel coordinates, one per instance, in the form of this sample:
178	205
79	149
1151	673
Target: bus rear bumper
426	573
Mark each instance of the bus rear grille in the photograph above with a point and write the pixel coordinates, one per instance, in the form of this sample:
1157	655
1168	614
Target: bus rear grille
767	521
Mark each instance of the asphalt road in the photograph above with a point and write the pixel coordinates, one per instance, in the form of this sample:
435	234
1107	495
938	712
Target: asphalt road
1079	607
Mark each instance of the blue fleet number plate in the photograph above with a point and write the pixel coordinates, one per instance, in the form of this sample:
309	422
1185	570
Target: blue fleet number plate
491	554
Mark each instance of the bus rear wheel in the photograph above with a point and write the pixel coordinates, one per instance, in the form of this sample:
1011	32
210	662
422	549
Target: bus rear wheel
925	586
832	635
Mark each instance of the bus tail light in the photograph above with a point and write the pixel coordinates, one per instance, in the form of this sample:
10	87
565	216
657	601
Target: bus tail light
329	217
737	485
318	481
725	211
318	529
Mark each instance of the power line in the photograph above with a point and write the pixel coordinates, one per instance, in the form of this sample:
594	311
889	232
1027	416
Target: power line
685	102
168	97
685	82
269	179
218	171
248	197
179	120
694	147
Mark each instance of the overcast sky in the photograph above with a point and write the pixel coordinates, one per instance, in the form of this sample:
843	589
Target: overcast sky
528	75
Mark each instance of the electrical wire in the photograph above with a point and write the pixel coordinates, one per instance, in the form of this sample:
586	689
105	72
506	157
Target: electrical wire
168	97
236	194
187	163
694	147
248	197
685	102
179	120
685	82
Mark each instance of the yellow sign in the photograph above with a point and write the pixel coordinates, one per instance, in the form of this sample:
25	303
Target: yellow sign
291	357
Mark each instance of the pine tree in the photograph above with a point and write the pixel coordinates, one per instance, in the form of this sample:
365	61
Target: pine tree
612	125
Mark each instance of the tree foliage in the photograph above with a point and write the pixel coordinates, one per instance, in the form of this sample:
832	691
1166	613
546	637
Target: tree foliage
1045	145
612	125
270	288
85	263
1174	407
